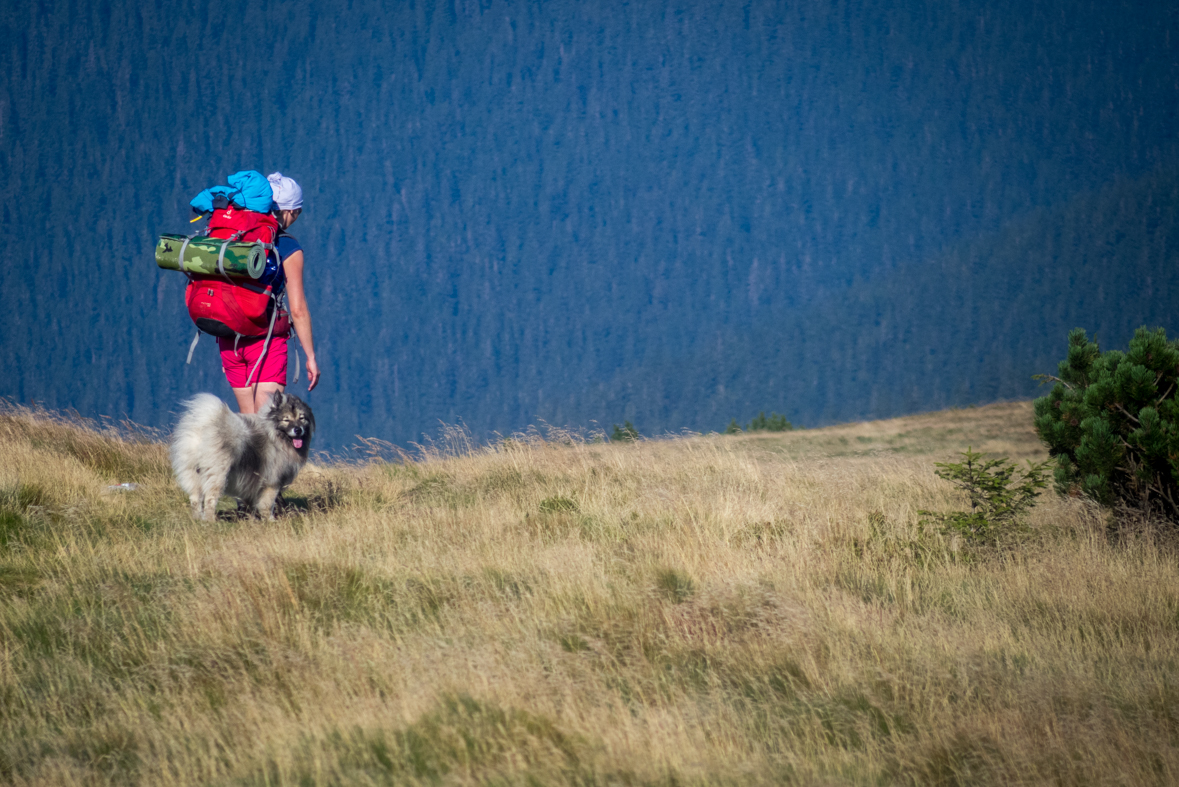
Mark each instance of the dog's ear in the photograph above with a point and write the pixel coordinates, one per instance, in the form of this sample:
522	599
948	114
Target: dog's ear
276	398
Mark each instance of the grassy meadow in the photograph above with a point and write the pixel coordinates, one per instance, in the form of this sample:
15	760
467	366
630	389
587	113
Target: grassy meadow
755	609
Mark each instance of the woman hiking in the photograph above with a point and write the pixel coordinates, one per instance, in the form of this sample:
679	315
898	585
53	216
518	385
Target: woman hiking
239	356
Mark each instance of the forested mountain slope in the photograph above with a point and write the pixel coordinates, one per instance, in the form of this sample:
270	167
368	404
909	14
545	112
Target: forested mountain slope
971	325
584	211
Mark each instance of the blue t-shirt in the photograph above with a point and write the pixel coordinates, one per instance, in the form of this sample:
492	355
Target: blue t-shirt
273	274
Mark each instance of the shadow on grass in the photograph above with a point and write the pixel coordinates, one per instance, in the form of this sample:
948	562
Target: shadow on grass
285	505
329	498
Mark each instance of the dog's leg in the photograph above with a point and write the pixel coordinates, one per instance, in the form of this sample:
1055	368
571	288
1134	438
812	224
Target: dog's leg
197	501
211	488
191	481
266	502
192	486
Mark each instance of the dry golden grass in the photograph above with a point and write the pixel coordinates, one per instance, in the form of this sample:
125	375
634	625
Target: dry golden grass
746	610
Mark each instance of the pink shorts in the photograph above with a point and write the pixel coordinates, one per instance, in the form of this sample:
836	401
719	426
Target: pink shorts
237	364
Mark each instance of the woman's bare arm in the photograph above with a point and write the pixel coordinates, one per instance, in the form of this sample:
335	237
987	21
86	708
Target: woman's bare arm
300	316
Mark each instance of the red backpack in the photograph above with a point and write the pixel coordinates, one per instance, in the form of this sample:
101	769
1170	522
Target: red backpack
236	307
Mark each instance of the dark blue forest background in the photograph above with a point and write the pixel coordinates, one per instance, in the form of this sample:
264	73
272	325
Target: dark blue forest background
669	212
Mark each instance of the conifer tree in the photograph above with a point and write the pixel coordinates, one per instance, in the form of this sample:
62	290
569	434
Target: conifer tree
1112	422
775	423
625	433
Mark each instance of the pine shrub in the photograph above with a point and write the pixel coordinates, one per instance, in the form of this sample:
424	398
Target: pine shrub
625	433
1112	423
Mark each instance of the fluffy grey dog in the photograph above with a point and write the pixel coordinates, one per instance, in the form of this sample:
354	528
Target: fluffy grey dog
216	451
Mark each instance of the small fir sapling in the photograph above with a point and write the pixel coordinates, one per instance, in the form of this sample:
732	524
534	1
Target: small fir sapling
998	497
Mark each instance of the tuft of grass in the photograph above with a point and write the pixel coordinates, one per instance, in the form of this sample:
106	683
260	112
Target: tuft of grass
21	497
557	504
459	735
440	490
17	580
12	527
329	595
118	453
674	585
110	753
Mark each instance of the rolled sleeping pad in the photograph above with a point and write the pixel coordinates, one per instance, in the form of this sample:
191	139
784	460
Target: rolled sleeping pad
203	255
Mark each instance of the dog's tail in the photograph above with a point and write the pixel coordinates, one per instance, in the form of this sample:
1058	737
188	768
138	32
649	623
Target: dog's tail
205	421
200	411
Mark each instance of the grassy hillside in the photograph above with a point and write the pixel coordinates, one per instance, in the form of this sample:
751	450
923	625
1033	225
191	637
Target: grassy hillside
753	609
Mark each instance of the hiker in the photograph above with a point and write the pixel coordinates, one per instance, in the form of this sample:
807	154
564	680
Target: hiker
239	355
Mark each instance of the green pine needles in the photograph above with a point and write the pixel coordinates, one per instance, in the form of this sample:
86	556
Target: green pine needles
625	433
998	497
774	423
1112	422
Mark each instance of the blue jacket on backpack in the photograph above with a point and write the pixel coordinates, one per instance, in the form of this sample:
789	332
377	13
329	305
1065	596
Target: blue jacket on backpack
247	189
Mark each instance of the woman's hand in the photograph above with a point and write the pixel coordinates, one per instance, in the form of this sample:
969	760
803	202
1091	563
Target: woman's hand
312	373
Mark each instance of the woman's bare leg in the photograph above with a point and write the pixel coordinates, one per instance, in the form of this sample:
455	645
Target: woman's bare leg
250	400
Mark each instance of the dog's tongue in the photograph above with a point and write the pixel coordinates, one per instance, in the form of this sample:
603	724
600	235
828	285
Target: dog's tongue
297	443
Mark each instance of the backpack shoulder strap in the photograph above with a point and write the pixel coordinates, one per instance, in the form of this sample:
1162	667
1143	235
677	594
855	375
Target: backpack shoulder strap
192	346
278	257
